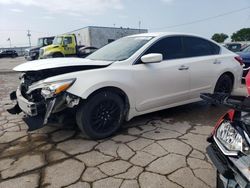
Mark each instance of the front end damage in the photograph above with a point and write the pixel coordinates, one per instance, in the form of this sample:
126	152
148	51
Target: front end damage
43	103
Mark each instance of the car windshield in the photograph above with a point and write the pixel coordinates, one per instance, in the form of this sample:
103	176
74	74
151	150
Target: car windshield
247	49
120	49
57	40
40	42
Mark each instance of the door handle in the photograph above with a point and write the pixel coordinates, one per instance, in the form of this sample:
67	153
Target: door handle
183	67
217	62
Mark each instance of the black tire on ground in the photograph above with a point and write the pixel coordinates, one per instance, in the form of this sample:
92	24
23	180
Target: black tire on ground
219	183
57	55
224	84
101	115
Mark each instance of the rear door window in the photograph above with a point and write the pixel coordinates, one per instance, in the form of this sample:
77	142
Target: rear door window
170	48
195	47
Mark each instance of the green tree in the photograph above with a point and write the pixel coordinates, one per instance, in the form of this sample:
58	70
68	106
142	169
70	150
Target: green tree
241	35
219	37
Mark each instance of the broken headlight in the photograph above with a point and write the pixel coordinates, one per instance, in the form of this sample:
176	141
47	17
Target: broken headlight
50	89
229	139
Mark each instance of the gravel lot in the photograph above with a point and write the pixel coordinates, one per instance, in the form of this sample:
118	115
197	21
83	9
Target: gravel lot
162	149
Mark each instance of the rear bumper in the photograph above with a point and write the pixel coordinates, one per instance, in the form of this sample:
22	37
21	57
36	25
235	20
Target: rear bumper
229	174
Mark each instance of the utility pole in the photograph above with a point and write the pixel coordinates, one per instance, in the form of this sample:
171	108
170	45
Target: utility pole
139	26
9	41
29	35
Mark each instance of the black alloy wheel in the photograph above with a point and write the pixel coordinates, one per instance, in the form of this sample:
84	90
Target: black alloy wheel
101	115
104	114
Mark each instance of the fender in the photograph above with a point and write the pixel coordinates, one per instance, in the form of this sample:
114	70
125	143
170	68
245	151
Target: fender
92	80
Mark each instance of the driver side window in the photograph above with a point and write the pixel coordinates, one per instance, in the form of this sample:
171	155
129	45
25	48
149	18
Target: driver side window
67	40
170	48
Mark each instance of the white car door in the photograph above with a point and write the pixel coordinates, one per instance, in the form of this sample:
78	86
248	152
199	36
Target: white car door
164	83
204	64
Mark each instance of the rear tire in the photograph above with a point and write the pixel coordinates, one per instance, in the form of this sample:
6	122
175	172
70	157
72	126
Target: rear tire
101	115
224	84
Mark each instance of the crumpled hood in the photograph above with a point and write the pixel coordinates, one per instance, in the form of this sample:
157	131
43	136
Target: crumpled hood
53	63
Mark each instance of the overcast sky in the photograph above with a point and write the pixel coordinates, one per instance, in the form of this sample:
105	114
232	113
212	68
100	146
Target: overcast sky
52	17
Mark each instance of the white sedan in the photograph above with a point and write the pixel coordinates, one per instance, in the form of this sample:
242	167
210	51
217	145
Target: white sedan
132	76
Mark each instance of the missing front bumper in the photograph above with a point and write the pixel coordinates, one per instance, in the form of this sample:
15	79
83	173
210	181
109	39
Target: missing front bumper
36	114
48	111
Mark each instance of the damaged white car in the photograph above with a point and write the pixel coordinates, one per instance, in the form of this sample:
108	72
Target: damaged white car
132	76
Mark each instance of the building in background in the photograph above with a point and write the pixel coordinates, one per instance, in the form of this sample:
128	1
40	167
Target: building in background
100	36
94	36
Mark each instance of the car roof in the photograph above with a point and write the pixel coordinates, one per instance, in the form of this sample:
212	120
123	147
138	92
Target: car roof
161	34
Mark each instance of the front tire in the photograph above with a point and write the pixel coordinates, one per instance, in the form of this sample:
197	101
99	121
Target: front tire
57	55
101	115
224	84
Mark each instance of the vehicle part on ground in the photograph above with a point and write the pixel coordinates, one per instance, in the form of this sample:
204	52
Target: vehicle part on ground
229	148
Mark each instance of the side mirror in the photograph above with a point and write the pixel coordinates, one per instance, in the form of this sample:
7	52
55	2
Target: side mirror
152	58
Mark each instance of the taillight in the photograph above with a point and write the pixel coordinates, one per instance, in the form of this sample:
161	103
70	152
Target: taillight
239	59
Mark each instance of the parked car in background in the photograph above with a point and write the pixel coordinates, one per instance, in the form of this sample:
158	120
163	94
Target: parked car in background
234	47
245	55
129	77
33	53
8	53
